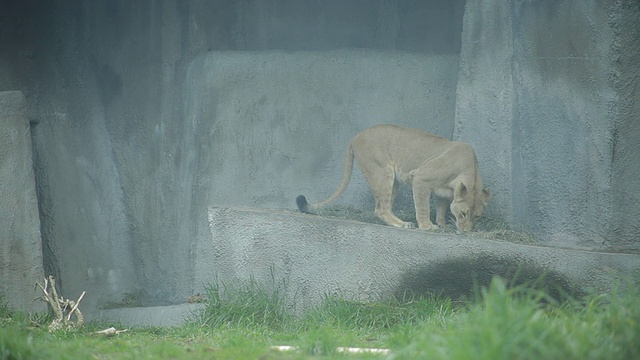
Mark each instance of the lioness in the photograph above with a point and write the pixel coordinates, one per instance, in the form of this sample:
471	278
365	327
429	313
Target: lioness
388	154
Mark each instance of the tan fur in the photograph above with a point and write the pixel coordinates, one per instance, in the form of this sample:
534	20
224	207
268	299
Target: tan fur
429	164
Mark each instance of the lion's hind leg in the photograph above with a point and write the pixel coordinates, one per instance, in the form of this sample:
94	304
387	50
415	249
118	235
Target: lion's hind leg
383	185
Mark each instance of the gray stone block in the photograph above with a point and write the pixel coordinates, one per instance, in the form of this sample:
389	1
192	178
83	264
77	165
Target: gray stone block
20	242
170	315
315	256
536	97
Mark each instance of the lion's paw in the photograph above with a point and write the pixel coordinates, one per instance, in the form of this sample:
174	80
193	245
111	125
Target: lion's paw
429	227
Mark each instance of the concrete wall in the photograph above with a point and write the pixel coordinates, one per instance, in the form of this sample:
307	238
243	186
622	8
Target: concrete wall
545	95
20	244
135	104
122	195
271	125
624	226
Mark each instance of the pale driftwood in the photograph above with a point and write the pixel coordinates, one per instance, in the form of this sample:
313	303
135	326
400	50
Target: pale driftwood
110	332
62	308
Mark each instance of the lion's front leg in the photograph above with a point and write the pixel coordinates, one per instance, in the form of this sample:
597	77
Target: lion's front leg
442	205
421	195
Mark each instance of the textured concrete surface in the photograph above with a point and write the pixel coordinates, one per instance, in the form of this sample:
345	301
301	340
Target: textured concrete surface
148	112
545	96
268	126
315	256
20	242
170	315
125	160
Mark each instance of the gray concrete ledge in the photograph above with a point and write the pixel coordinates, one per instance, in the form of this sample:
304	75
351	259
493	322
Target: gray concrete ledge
165	316
307	257
315	256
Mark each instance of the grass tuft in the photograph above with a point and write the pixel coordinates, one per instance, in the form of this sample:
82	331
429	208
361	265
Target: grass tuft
388	314
15	345
244	305
512	323
497	229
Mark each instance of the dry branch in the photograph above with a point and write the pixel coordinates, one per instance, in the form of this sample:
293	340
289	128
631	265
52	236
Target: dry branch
63	309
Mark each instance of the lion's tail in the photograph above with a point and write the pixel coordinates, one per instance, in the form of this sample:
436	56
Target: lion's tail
347	169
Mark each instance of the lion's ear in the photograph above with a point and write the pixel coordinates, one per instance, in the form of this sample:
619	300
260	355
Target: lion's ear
460	191
486	193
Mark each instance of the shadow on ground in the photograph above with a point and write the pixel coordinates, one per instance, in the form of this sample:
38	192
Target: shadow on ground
460	278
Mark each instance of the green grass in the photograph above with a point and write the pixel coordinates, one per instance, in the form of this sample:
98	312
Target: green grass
242	322
245	306
512	324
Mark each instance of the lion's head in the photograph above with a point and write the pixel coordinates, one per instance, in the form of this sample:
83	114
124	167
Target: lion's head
467	206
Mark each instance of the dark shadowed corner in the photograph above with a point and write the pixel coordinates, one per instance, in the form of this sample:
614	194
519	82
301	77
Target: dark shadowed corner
461	278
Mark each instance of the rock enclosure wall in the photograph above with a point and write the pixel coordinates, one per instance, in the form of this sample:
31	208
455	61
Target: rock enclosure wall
20	243
147	114
549	82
